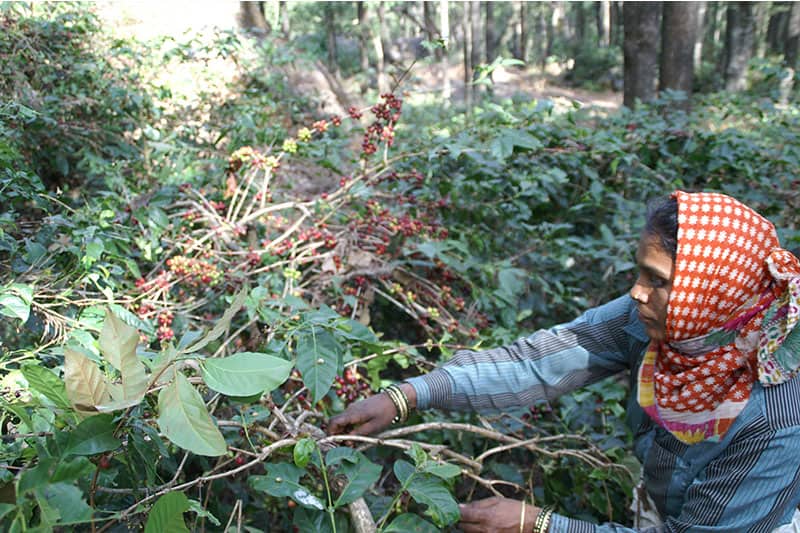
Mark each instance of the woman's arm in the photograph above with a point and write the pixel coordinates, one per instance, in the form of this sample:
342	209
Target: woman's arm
539	367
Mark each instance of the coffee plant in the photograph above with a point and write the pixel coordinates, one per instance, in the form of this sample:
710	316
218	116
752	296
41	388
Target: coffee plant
182	312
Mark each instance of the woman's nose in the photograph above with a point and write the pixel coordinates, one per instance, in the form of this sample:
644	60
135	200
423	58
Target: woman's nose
639	292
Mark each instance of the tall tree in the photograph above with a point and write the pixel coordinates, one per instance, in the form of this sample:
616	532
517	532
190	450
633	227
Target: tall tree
713	32
469	55
678	36
702	12
251	16
580	24
377	43
444	23
491	34
476	46
554	26
616	23
283	16
363	36
330	35
640	50
761	15
777	27
429	19
792	37
520	31
603	23
738	44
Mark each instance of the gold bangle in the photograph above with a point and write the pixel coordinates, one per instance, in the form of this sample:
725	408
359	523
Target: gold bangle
402	395
400	402
522	518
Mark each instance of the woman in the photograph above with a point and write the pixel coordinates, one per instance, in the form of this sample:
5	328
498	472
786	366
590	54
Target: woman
708	333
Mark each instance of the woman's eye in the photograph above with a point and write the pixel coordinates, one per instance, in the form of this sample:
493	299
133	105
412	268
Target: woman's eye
657	283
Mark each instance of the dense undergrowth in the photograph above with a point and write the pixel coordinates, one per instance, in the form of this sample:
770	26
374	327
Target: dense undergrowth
190	287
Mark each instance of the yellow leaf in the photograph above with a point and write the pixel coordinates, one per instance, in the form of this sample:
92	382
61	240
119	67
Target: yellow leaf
85	384
118	340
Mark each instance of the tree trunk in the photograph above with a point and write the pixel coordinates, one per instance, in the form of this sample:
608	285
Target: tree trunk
330	34
491	33
777	27
580	24
702	11
711	37
380	58
444	22
678	37
476	44
251	16
554	25
283	16
761	27
363	36
520	31
792	37
544	27
616	23
641	51
468	55
431	33
604	23
738	44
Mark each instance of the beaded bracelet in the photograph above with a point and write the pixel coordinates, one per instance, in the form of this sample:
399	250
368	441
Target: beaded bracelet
543	520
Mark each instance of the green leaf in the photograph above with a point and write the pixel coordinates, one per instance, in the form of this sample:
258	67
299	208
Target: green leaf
282	481
428	490
245	373
441	470
68	499
410	523
131	319
303	450
317	359
14	307
69	471
361	473
197	508
166	516
6	508
38	476
223	323
47	383
93	435
184	420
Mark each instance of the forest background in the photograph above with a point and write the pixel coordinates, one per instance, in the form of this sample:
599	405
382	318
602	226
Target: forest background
213	240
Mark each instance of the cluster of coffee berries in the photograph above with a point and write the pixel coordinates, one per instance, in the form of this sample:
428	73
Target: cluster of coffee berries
194	271
537	412
351	386
387	113
164	331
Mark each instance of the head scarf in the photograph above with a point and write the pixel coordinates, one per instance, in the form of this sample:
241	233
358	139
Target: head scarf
733	308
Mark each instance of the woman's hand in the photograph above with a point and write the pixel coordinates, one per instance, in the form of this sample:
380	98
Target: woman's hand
364	417
370	415
496	515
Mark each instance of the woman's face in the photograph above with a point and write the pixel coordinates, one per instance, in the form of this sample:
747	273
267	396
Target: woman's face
652	287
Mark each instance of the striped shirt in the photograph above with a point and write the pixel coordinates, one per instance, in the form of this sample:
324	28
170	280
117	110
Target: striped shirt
748	481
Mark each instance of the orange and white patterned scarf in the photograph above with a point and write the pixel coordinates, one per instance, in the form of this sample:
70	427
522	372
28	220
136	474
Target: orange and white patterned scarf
733	308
